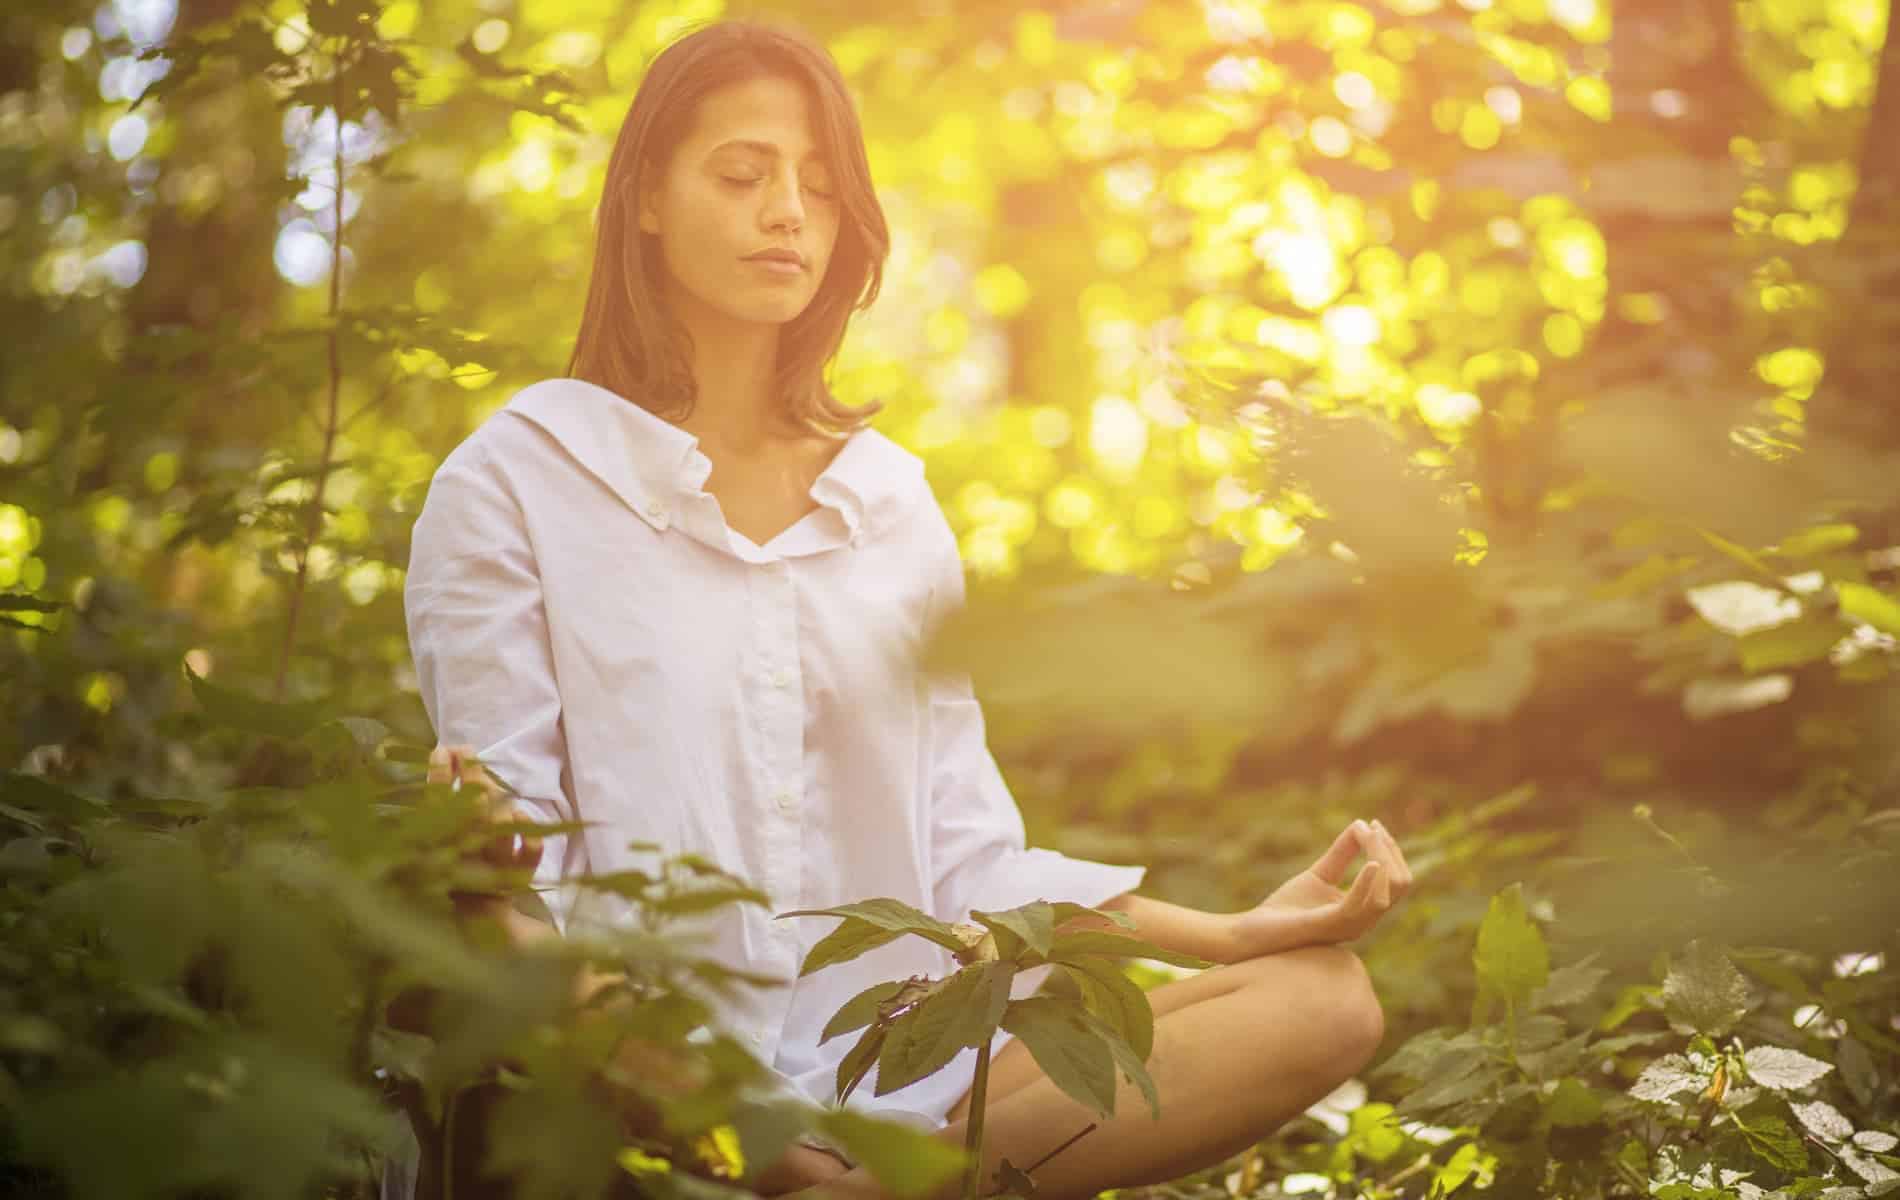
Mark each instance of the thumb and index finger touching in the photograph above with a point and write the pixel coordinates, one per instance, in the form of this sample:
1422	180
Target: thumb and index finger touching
1385	877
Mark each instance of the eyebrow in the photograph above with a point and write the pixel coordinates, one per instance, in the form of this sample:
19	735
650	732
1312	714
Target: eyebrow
767	148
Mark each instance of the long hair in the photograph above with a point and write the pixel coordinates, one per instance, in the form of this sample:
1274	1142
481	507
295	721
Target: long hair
629	342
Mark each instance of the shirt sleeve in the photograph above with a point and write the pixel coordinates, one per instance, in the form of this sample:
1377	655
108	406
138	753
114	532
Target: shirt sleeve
979	855
479	637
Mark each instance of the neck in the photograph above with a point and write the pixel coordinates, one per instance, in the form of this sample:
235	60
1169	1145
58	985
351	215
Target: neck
736	406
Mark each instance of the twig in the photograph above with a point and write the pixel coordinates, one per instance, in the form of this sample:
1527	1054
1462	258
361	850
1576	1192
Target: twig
973	1132
1087	1129
314	525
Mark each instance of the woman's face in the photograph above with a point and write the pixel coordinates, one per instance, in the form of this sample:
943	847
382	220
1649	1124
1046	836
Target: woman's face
747	178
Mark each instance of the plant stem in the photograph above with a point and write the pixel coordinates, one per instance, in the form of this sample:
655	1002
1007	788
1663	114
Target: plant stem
1076	1137
973	1132
313	527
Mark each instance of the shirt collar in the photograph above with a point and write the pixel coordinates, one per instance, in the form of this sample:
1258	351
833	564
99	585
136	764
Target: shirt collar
651	463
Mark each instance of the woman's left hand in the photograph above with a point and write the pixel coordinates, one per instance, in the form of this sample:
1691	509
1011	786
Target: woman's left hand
1312	909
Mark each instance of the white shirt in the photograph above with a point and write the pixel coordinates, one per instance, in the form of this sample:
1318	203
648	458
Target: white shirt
581	614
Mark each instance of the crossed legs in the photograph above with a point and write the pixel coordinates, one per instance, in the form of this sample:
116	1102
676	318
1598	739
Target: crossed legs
1239	1050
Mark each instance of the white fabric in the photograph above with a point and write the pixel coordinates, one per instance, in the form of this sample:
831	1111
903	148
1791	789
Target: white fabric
580	613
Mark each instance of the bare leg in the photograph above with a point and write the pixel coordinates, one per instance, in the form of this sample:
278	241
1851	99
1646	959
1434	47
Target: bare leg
1239	1050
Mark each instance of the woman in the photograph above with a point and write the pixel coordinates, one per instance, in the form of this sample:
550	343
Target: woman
679	593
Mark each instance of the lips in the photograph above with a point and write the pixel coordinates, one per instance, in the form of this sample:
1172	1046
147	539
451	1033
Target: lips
785	256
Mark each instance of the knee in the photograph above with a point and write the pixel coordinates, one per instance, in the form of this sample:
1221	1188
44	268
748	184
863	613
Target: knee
1343	998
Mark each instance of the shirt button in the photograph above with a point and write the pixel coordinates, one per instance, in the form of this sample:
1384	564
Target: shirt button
657	511
757	1039
786	799
781	678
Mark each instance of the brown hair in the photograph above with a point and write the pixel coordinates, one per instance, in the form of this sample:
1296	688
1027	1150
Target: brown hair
629	343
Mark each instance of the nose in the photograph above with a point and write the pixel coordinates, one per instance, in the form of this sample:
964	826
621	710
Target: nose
784	202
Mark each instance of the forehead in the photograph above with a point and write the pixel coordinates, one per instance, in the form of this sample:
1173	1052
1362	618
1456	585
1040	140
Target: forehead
767	115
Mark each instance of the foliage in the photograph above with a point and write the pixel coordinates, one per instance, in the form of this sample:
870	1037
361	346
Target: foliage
1474	415
914	1027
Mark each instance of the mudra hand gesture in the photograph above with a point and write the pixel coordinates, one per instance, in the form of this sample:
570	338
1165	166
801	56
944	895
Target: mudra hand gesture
456	766
1312	909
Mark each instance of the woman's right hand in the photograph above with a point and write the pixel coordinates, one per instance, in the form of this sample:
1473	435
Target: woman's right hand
505	851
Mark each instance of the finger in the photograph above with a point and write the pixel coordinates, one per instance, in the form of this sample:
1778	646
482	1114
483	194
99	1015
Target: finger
441	764
1363	894
1379	849
1401	870
1331	866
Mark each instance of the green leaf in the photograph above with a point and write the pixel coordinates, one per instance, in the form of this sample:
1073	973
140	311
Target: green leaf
706	899
907	1161
851	938
1821	539
1567	985
1869	604
860	1010
1117	1000
1132	1065
1511	957
1034	923
1068	911
892	915
1789	644
1703	992
234	710
858	1062
1574	1104
1774	1142
1070	946
1073	1055
1782	1069
961	1012
31	794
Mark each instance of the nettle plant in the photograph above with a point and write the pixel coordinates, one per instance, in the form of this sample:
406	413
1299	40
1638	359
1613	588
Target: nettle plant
914	1027
1720	1117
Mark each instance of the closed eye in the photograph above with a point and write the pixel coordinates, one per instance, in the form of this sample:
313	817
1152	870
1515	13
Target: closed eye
748	181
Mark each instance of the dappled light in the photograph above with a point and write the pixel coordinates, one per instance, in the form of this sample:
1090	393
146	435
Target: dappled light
1478	414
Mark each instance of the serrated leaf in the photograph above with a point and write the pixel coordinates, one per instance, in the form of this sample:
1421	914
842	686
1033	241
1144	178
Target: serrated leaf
1034	923
1432	1053
857	1063
1069	946
1511	958
1823	1120
1066	911
960	1013
1703	992
1567	985
851	938
1668	1075
1781	1068
1070	1053
1118	1001
1772	1141
1133	1066
860	1010
1870	1169
891	915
